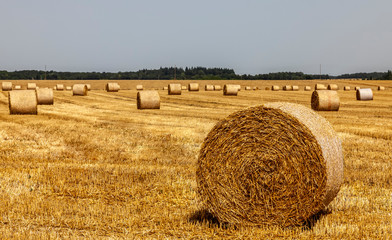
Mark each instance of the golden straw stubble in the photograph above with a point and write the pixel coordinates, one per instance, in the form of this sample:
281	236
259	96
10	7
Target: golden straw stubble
277	164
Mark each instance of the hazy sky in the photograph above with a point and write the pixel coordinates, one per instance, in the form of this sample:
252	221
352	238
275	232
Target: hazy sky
250	36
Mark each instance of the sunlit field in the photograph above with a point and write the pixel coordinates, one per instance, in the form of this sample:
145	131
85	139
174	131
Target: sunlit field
97	167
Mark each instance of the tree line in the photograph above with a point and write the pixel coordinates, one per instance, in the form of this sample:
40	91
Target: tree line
191	73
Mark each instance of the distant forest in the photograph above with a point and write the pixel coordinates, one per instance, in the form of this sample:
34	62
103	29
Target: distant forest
196	73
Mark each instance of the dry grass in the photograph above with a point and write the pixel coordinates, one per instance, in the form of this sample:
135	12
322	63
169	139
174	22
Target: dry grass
97	167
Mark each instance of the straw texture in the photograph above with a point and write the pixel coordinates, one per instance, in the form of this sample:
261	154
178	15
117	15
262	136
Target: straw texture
112	87
325	100
88	87
295	88
45	96
6	86
68	88
380	88
356	88
60	87
275	88
174	89
230	90
183	87
347	88
18	87
248	88
307	88
79	90
287	88
22	102
217	87
277	164
148	100
193	87
320	86
31	86
139	87
364	94
334	87
209	87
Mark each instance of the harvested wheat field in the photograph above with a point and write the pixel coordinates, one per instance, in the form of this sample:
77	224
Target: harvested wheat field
97	167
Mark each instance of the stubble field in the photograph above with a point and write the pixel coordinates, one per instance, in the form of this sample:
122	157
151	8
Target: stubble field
97	167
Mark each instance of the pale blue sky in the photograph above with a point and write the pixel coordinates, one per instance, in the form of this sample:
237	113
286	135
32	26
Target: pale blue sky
250	36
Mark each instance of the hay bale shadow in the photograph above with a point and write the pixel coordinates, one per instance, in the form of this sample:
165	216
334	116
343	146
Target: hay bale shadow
204	217
311	222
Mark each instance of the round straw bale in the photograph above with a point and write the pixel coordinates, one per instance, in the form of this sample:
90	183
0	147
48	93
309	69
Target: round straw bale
31	86
267	88
22	102
193	87
45	96
209	87
230	90
139	87
238	86
277	164
380	88
325	100
356	88
295	88
287	88
112	87
55	88
165	88
79	90
60	87
320	86
217	87
347	88
333	87
183	87
247	88
255	88
6	86
68	88
275	88
18	87
148	100
88	87
364	94
174	89
307	88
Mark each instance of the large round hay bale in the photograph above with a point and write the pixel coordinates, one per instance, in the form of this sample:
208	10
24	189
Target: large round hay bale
31	86
139	87
320	86
334	87
364	94
238	86
193	87
277	164
275	88
380	88
209	87
22	102
112	87
60	87
287	88
230	90
6	86
79	90
18	87
307	88
295	88
174	89
325	100
217	87
347	88
148	100
45	96
247	88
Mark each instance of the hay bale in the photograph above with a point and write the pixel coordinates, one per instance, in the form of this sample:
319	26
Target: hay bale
6	86
380	88
165	88
31	86
88	87
320	86
287	88
347	88
230	90
209	87
112	87
307	88
193	87
54	88
334	87
295	88
174	89
267	88
275	88
68	88
79	90
356	88
60	87
45	96
139	87
325	100
277	164
183	87
148	100
18	87
22	102
364	94
255	88
238	86
217	87
247	88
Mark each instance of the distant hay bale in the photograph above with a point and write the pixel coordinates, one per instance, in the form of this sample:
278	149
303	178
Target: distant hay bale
307	88
347	88
60	87
255	88
54	88
88	87
193	87
356	88
17	87
217	87
287	88
209	87
148	100
45	96
334	87
267	88
183	87
320	86
325	100
22	102
230	90
68	88
247	88
139	87
275	88
31	86
174	89
79	90
112	87
295	88
238	86
165	88
380	88
6	86
364	94
246	175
